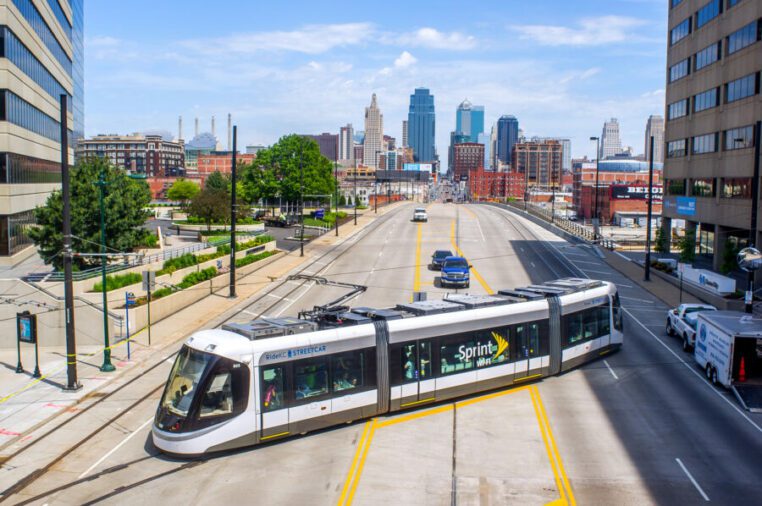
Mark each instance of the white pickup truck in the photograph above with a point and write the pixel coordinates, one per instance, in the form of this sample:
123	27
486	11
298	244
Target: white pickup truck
681	322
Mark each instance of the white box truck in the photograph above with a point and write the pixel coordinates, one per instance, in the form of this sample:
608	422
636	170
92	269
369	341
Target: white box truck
729	350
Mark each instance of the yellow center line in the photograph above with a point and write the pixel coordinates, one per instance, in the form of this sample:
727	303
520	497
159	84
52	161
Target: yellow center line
475	272
352	490
547	446
350	475
572	501
417	273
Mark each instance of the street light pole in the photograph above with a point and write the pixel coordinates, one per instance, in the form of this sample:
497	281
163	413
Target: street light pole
233	242
754	206
596	218
336	192
71	342
301	200
647	271
107	365
355	192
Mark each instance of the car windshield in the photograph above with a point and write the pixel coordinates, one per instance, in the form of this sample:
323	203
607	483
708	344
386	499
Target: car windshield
420	210
442	254
695	309
183	380
458	263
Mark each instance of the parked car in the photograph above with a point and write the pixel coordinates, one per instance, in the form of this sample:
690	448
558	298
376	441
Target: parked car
455	272
681	322
438	259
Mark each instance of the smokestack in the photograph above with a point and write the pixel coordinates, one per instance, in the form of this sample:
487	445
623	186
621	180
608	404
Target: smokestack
180	128
196	127
213	132
230	131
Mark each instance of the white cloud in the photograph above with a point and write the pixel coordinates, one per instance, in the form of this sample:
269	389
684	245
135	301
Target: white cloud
434	39
311	39
591	32
405	60
581	75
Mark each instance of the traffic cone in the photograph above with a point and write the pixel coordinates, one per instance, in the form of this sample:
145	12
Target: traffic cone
742	370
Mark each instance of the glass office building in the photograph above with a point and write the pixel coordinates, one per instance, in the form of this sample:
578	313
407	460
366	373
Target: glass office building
42	51
507	136
421	125
469	119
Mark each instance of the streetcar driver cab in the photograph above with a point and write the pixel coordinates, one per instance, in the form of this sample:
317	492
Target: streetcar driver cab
203	389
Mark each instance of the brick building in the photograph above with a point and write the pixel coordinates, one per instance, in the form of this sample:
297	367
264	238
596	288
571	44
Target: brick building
618	192
541	160
468	156
151	155
495	185
221	161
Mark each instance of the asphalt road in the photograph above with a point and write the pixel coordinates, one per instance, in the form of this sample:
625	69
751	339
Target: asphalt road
641	427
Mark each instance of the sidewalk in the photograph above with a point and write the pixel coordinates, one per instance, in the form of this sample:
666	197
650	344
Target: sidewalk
26	404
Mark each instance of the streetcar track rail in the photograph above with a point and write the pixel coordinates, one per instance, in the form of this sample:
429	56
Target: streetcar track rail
35	475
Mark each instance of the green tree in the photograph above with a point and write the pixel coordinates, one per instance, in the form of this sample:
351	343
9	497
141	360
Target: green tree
357	201
183	191
125	201
687	247
217	180
342	200
211	205
276	171
660	245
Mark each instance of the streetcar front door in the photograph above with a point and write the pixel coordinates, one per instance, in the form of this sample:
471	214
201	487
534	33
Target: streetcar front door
416	367
273	406
527	350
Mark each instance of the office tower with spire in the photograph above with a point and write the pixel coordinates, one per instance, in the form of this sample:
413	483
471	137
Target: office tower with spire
373	145
422	125
611	144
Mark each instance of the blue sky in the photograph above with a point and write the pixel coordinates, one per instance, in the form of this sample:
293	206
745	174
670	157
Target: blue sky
561	67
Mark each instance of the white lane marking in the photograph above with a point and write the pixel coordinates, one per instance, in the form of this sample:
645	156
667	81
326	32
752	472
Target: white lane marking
624	286
170	361
532	264
380	253
585	262
695	483
479	226
610	369
639	300
625	257
107	455
693	370
269	295
597	272
309	287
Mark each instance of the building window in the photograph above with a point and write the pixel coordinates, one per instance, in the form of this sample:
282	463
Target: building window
677	149
732	3
678	109
22	113
742	88
675	3
679	70
702	187
708	13
736	188
681	31
41	28
20	169
704	144
744	37
739	138
706	100
707	56
14	232
676	187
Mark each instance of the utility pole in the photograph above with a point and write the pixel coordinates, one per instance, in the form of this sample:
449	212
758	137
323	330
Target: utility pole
336	191
233	208
647	271
301	199
107	365
72	384
355	192
596	219
754	206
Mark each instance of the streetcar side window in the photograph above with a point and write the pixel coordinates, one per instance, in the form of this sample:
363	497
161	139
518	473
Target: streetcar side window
226	390
273	388
352	370
586	325
604	322
310	378
618	322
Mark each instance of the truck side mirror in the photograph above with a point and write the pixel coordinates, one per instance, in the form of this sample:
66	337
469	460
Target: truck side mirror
674	311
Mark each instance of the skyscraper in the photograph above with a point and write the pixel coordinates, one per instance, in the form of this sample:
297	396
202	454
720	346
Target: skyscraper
469	119
611	144
42	56
346	143
655	128
421	125
373	144
455	139
485	139
404	133
507	135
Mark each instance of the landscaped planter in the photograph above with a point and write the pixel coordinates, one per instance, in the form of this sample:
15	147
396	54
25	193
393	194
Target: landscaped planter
172	304
256	227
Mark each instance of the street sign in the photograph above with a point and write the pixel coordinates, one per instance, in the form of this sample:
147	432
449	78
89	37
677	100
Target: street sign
149	280
26	325
130	299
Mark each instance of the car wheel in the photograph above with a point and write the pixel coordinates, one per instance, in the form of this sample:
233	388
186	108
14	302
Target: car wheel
708	371
686	346
670	332
715	379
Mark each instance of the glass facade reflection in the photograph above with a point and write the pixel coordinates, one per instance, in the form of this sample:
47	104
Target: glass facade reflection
41	28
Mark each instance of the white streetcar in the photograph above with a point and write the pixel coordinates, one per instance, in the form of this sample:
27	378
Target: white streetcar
266	379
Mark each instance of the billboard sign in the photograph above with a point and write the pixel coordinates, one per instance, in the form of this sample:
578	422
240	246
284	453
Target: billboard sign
418	167
628	192
686	206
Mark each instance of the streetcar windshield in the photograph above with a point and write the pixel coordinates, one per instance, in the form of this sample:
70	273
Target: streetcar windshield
183	380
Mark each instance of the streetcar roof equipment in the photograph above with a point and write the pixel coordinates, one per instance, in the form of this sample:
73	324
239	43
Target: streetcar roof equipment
271	327
521	294
473	301
429	307
378	314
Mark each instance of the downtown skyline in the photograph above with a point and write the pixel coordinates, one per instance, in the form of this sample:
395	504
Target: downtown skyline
562	70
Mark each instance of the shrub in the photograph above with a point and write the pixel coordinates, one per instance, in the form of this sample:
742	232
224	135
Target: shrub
115	281
175	264
250	259
687	246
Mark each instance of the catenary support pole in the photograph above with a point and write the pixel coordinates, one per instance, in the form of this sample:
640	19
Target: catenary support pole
107	365
72	384
754	209
233	213
647	271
